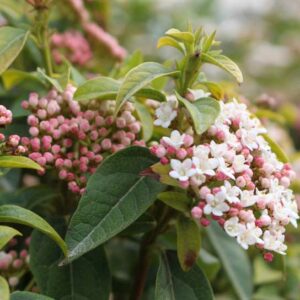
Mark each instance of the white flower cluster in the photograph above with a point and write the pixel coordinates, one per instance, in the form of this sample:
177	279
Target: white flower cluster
236	177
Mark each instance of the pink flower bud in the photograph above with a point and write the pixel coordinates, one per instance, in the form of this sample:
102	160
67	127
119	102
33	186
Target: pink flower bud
106	144
184	184
268	257
196	212
204	222
33	131
17	264
13	281
42	114
188	140
33	99
204	191
181	153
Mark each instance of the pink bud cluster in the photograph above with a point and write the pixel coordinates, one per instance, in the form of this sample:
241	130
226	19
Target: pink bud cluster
75	139
235	178
5	116
14	263
71	44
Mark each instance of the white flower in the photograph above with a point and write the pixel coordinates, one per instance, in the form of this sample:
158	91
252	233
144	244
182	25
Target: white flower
239	164
249	235
231	192
165	113
274	241
198	94
248	198
205	165
182	170
233	227
223	167
175	140
218	150
215	204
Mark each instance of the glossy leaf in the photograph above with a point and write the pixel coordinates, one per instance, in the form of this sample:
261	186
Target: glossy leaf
6	234
18	162
139	77
234	260
177	200
12	41
188	242
86	278
174	284
4	289
28	296
276	149
224	63
146	120
169	41
19	215
116	195
97	88
203	112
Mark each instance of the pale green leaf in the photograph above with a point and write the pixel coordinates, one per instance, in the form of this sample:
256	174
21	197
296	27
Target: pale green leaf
12	41
177	200
53	81
224	63
182	36
19	215
139	77
276	149
146	120
169	41
18	162
203	112
6	234
4	289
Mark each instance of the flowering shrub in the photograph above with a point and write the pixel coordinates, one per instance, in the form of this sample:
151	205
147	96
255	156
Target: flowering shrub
125	170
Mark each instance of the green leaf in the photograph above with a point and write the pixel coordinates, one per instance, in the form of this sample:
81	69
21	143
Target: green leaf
86	278
53	81
263	274
146	120
186	37
208	42
209	264
169	41
151	94
97	88
270	115
203	112
143	224
132	61
276	149
4	289
174	284
224	63
18	162
28	296
214	88
139	77
188	242
116	195
6	234
234	260
12	41
177	200
12	77
19	215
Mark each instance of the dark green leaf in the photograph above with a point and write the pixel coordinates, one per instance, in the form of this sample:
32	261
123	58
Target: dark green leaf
139	77
143	224
6	234
18	162
12	41
117	194
203	112
19	215
188	242
28	296
174	284
146	120
234	260
86	278
177	200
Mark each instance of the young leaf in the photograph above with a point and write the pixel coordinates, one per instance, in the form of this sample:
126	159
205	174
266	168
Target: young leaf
234	259
225	63
276	149
146	120
208	42
19	215
117	194
177	200
188	242
139	77
97	88
168	41
174	284
151	94
214	88
18	162
4	289
186	37
54	82
6	234
87	278
28	296
203	112
12	41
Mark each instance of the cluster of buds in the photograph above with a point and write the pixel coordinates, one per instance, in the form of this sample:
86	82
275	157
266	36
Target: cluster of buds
71	44
75	139
235	178
13	264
